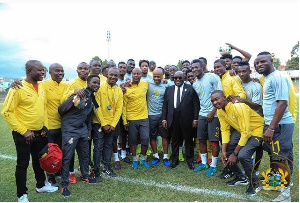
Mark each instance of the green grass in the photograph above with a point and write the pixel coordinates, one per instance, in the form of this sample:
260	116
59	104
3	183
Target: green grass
112	190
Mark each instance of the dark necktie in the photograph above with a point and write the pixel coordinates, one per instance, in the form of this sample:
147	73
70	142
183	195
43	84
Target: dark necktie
178	97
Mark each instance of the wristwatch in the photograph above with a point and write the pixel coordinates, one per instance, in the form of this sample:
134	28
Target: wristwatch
235	154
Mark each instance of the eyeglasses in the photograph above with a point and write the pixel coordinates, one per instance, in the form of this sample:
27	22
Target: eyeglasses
177	78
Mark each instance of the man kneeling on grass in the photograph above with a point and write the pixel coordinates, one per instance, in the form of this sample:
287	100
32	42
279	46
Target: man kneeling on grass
239	146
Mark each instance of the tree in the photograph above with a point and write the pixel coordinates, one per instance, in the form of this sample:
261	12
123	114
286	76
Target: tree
97	58
179	64
293	63
276	62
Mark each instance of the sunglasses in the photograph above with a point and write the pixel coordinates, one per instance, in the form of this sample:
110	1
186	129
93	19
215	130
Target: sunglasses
177	78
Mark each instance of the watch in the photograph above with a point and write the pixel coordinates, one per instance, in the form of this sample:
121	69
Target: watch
235	154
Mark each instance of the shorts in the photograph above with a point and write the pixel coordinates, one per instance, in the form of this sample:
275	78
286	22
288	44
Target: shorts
156	129
281	147
208	130
136	128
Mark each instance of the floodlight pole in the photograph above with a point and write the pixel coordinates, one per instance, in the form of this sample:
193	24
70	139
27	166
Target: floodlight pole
108	41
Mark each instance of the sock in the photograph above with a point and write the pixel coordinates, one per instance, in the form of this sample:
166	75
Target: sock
204	158
214	162
166	156
142	158
180	149
135	158
116	157
123	154
156	155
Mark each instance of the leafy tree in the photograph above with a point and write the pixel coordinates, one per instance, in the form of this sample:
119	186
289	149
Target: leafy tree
295	50
179	64
97	58
276	62
293	63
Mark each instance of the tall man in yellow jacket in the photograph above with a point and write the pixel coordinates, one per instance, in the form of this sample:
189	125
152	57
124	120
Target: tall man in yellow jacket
24	109
135	116
239	146
110	98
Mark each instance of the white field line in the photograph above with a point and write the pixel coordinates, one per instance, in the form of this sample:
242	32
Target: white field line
171	186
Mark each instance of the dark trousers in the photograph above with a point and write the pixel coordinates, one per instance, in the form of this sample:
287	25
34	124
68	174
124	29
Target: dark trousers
69	144
23	156
178	134
103	146
245	154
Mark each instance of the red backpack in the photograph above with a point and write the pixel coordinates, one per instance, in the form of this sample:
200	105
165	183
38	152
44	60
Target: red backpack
51	158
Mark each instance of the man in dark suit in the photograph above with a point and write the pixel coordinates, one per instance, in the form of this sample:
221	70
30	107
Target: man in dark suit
180	113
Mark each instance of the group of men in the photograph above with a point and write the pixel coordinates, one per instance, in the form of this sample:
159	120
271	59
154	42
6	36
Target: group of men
133	106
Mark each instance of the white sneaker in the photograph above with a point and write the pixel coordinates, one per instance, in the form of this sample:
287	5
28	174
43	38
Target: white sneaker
47	188
23	198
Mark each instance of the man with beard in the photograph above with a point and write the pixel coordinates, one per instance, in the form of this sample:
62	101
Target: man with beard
76	128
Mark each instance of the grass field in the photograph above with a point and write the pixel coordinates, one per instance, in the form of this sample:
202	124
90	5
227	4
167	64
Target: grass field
157	184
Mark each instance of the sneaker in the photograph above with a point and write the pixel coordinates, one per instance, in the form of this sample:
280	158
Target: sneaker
72	178
65	192
198	160
149	152
23	198
252	190
110	173
117	165
128	151
46	188
167	162
181	158
89	180
53	182
127	160
211	171
201	167
135	165
145	163
225	174
155	161
98	178
238	181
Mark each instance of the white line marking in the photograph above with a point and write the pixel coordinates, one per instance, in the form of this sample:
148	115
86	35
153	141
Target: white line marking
172	186
3	156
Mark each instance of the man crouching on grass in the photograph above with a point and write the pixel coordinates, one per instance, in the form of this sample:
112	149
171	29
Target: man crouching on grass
239	146
24	109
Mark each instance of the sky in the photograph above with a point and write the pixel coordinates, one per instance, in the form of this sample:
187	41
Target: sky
69	32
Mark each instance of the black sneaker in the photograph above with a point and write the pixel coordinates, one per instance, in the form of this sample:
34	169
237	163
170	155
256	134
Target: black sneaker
52	181
238	181
110	173
127	160
225	174
253	189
